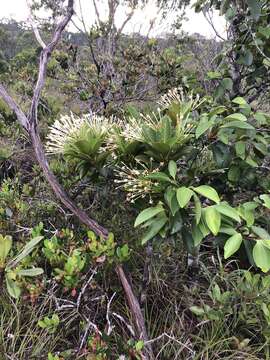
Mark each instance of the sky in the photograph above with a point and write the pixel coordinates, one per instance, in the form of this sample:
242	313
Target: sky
196	23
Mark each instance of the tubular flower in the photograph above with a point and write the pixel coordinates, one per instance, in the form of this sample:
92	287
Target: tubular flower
136	182
71	127
177	96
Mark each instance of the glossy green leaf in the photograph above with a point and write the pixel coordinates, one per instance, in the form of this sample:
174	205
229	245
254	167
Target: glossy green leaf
154	229
159	176
208	192
196	235
227	84
170	198
261	256
260	232
236	116
212	219
240	149
203	126
238	125
183	195
266	200
227	210
232	245
197	310
147	214
172	169
239	100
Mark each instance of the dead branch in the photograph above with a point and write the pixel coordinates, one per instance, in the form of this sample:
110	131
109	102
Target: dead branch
34	26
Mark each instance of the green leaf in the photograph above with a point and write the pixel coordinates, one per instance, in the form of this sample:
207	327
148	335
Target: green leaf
212	219
227	84
234	173
227	230
159	176
13	289
238	125
208	192
176	223
139	345
246	58
183	195
255	8
204	229
29	247
147	214
170	198
197	310
227	210
265	31
260	232
266	199
31	272
216	111
214	75
236	116
232	245
172	169
261	256
203	126
5	247
154	229
240	149
239	101
196	235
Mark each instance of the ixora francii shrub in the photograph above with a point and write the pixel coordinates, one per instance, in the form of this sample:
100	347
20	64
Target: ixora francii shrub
203	169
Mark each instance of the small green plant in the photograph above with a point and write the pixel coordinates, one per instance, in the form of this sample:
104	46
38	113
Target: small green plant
73	266
53	357
11	268
49	323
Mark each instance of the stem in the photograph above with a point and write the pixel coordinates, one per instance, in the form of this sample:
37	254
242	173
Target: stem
136	312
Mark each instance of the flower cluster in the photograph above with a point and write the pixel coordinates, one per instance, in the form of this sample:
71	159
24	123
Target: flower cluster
70	127
136	182
177	96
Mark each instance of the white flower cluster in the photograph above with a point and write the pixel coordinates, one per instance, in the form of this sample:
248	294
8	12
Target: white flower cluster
69	127
136	183
177	96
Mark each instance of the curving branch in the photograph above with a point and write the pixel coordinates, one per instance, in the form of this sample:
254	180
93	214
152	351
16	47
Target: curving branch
34	26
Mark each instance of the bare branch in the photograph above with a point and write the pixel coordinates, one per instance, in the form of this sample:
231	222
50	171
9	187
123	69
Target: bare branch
209	19
127	19
34	26
97	12
15	107
44	57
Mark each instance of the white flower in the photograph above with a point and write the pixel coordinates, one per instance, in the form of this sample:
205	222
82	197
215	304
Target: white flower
69	127
177	96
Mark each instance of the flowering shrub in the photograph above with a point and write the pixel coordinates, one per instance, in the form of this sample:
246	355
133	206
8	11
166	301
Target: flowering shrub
188	159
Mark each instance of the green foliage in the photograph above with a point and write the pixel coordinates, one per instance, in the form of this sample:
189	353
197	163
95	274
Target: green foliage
11	267
49	323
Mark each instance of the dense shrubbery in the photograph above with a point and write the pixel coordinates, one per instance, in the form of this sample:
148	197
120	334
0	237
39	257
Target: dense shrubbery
180	179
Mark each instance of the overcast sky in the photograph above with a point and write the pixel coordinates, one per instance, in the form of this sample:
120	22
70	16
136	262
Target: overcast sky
196	22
